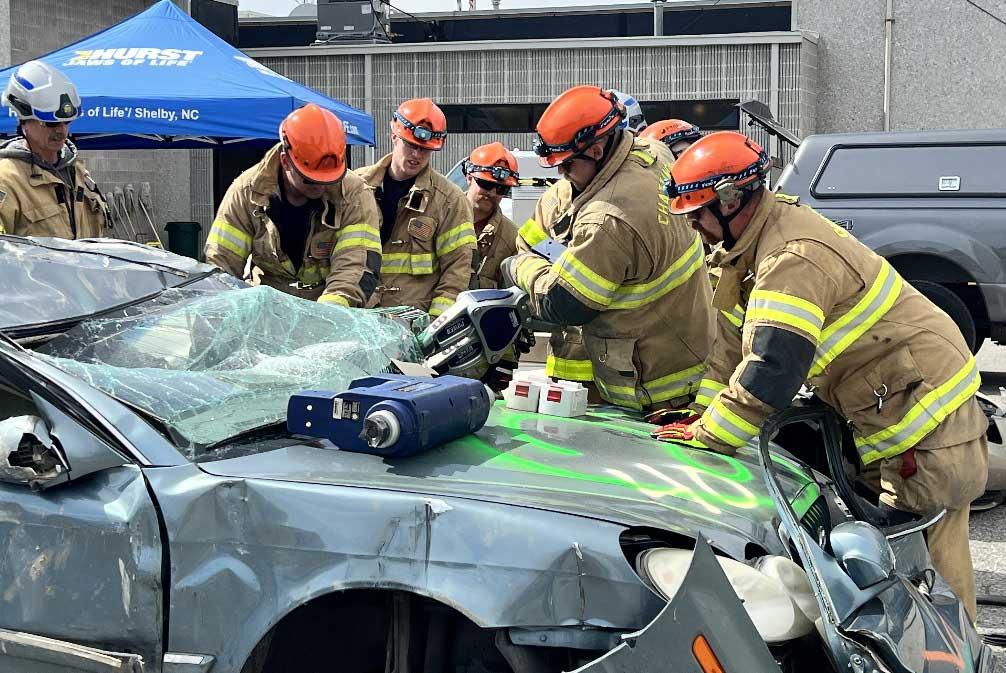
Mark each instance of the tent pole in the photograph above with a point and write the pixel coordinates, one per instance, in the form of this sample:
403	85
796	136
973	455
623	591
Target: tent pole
368	101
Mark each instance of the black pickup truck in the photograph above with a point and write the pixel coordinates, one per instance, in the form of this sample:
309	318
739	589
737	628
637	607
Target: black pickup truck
932	202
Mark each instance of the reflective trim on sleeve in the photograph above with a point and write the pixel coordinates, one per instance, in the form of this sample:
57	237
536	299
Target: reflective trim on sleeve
585	282
404	262
333	299
570	370
847	328
786	309
228	236
532	233
645	157
528	268
440	304
923	417
359	236
452	239
678	384
634	296
735	316
727	426
707	391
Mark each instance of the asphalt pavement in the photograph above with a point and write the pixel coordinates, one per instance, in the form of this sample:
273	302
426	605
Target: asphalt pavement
988	529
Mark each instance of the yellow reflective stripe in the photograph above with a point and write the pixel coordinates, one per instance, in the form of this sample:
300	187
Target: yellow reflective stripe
359	236
735	316
645	157
623	396
786	309
923	417
228	236
452	239
849	327
571	370
727	426
589	284
634	296
707	391
439	305
333	299
528	268
532	233
677	384
403	262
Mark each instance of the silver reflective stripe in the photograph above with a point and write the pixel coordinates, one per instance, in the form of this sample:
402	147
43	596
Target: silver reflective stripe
680	271
724	429
674	388
567	269
758	305
846	329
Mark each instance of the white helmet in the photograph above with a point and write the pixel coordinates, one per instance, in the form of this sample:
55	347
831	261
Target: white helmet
38	91
634	120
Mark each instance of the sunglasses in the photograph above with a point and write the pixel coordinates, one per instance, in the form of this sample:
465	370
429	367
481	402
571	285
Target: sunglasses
52	125
498	172
489	186
306	180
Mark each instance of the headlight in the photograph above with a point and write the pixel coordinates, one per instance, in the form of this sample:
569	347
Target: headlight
766	599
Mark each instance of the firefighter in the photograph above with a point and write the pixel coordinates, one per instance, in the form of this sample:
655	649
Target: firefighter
309	227
677	134
491	172
44	188
430	250
632	275
816	306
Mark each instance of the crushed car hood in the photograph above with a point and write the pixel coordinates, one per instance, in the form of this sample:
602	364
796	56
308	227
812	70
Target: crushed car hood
603	465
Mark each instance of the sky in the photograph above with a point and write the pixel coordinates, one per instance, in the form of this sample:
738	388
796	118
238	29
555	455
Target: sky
283	7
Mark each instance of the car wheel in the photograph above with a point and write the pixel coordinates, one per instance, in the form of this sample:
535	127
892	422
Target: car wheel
988	500
954	307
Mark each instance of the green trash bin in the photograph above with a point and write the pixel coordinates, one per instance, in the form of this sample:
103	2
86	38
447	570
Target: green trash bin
183	238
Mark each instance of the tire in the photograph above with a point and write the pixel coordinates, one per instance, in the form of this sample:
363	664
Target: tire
953	306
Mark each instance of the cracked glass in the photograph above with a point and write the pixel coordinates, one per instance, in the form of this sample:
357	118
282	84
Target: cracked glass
212	365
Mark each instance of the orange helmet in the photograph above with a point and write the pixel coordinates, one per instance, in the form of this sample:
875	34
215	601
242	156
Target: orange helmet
573	121
493	162
315	141
716	166
420	122
671	131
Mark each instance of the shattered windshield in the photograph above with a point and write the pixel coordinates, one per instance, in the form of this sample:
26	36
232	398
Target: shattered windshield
213	365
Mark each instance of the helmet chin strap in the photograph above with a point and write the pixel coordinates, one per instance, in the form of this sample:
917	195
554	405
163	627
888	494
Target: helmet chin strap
729	194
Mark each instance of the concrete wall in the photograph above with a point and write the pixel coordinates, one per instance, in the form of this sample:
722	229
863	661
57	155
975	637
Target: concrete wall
946	63
179	179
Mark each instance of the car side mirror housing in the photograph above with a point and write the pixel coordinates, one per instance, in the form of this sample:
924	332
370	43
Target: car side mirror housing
29	455
863	552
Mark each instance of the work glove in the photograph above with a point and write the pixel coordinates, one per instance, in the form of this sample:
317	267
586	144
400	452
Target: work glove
678	433
667	416
508	271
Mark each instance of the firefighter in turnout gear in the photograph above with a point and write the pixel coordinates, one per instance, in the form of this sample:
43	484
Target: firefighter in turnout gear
632	276
430	250
308	226
491	172
44	188
805	302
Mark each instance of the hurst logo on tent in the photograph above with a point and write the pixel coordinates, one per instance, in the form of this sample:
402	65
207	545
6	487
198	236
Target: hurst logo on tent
134	56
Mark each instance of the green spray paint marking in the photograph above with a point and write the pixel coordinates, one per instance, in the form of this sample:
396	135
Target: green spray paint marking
692	469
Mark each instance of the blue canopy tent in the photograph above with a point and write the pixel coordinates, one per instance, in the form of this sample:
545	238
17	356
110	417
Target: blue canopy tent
160	79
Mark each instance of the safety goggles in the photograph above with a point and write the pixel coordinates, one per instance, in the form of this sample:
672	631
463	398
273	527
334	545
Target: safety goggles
502	190
759	166
422	133
582	138
303	178
499	173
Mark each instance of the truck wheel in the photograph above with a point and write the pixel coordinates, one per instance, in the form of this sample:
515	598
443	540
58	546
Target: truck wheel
954	307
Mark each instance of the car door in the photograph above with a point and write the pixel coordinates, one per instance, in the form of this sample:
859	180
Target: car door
81	565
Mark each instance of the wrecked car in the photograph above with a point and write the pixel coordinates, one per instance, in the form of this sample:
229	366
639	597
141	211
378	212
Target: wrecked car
158	515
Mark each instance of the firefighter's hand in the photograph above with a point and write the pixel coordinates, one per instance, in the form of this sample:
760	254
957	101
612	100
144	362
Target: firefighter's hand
678	433
508	271
666	416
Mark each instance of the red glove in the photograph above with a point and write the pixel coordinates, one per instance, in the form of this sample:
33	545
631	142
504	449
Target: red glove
679	433
665	416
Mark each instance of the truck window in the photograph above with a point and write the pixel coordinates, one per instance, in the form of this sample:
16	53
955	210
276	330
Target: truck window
929	170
